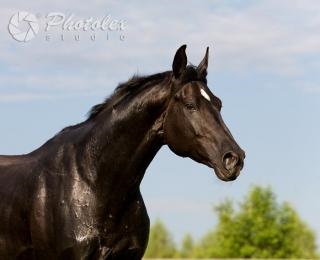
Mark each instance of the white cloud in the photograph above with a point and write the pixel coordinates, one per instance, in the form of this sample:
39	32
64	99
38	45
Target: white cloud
270	36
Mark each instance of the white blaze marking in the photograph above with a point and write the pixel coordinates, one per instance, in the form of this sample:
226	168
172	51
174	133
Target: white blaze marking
205	94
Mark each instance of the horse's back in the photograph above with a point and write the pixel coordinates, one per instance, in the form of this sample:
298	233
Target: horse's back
11	159
16	183
15	170
17	176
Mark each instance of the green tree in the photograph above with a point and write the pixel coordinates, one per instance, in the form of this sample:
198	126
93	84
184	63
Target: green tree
160	242
186	247
261	228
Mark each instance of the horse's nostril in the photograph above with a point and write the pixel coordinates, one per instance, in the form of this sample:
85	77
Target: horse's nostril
230	160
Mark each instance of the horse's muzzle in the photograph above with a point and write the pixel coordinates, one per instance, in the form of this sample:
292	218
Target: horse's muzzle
233	164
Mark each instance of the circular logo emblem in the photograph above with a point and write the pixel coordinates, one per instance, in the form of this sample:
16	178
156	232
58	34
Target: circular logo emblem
23	26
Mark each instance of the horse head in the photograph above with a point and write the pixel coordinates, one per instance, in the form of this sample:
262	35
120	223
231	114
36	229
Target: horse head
193	126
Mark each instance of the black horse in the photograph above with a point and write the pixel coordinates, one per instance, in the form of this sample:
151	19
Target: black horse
78	196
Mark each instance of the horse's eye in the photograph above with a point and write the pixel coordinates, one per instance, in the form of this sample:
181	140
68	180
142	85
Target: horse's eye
190	106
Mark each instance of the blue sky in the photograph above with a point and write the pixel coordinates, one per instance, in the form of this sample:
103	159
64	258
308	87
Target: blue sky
264	61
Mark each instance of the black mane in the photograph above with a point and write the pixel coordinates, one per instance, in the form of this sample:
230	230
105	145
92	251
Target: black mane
122	91
127	89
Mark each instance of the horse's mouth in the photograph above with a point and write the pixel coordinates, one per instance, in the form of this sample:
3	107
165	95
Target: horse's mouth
224	174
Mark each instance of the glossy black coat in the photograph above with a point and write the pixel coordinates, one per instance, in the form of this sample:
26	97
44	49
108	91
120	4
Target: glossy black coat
78	196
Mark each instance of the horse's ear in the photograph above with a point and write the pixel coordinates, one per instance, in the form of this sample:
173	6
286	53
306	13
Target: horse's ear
180	61
202	67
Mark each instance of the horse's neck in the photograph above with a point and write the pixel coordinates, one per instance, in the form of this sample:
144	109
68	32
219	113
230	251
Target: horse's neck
126	140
